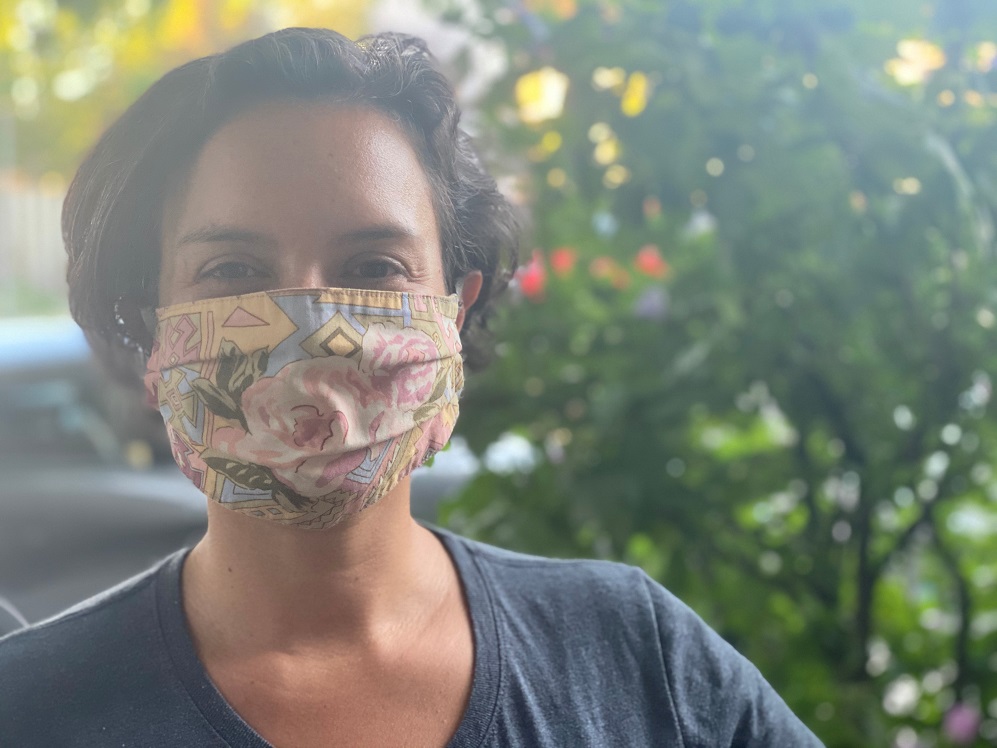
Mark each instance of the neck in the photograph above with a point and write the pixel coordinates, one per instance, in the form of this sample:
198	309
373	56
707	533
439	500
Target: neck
361	580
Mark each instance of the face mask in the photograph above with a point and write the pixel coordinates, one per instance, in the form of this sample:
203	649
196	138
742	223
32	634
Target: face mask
304	407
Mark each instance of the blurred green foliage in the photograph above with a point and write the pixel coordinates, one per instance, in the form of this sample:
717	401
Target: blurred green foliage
68	68
18	299
754	350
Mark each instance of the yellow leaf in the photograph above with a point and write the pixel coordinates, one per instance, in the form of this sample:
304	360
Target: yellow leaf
986	55
182	25
557	178
903	72
551	141
234	14
561	9
615	176
599	132
609	79
922	53
635	96
607	151
918	59
540	95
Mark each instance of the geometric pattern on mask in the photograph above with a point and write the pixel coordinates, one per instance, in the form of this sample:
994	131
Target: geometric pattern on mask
305	406
182	452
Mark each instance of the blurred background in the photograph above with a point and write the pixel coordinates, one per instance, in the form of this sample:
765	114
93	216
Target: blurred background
751	348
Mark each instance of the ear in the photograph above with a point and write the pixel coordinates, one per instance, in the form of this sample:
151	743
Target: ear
132	325
468	289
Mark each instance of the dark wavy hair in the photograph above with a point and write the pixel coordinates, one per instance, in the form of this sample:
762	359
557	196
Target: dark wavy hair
112	213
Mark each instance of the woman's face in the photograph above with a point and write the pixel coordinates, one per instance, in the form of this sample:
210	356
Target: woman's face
301	195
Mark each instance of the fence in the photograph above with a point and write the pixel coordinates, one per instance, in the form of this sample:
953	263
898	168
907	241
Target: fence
31	253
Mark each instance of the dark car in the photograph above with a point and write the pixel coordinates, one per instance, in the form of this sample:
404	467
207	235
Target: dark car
84	503
89	494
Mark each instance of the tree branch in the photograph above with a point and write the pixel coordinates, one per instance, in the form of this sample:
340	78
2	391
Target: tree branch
965	603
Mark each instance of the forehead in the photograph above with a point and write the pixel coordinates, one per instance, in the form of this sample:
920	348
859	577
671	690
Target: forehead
292	163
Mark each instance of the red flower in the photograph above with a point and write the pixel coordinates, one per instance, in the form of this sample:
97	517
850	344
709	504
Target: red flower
562	260
650	262
532	277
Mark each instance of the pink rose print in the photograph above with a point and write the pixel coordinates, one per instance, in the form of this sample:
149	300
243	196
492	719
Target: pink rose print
402	364
187	458
311	424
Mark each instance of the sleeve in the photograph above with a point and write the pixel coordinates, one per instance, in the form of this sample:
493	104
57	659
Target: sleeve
719	698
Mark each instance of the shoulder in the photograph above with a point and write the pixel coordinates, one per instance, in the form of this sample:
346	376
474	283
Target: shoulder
548	606
70	623
74	621
567	597
555	575
600	588
624	620
67	661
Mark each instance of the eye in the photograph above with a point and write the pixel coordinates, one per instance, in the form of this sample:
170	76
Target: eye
231	270
375	269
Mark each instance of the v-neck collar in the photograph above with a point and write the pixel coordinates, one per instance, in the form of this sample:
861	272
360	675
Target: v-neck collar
487	677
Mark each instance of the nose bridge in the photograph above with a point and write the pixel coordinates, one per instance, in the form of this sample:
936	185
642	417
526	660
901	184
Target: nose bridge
305	266
312	276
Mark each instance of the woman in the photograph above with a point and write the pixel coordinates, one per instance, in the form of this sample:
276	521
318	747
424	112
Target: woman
319	239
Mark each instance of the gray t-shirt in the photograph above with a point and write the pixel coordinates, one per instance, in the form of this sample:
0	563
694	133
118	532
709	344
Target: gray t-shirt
567	653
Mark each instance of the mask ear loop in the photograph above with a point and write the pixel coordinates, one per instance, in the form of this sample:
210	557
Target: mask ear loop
148	314
459	290
135	325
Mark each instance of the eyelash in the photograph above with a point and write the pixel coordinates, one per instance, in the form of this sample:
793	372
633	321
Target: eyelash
391	268
214	274
226	271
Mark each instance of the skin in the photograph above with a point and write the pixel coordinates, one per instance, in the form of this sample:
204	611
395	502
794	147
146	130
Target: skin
358	634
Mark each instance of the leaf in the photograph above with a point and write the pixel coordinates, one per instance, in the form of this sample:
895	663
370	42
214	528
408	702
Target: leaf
228	348
291	497
249	371
242	377
439	388
259	360
242	474
425	412
217	401
228	355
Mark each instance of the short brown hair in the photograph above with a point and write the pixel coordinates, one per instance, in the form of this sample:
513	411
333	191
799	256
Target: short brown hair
113	209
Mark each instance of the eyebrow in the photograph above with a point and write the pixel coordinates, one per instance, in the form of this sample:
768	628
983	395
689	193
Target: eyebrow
381	232
220	233
216	233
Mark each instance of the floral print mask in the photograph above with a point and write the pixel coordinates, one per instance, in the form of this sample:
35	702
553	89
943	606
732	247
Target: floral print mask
306	406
